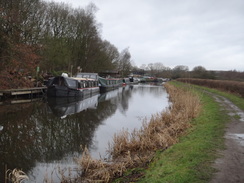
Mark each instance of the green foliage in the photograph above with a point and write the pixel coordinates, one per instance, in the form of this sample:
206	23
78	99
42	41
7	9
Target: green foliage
57	55
58	73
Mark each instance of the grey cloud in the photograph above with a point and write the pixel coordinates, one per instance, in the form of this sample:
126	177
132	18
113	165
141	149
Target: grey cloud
175	32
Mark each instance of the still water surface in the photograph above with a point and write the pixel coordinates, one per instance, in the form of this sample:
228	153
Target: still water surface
45	136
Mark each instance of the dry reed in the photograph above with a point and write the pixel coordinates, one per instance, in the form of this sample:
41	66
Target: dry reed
16	176
234	87
136	149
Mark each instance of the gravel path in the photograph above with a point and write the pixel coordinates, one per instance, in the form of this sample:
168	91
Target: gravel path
230	164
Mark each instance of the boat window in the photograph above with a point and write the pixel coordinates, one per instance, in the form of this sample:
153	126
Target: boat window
85	84
87	75
71	83
79	85
93	76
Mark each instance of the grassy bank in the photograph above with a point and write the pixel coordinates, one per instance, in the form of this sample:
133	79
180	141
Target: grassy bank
235	87
136	149
239	101
190	159
185	142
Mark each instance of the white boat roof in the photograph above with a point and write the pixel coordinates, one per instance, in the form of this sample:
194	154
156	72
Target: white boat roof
83	79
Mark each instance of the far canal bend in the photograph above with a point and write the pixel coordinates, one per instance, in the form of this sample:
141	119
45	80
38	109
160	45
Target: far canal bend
42	137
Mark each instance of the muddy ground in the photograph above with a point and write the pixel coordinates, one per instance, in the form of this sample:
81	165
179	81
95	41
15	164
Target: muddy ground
230	164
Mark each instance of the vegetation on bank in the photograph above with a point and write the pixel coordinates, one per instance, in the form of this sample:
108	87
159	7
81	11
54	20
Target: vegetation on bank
187	138
234	87
237	100
190	160
39	37
137	149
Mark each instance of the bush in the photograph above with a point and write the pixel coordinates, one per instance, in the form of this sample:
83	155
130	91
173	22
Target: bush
234	87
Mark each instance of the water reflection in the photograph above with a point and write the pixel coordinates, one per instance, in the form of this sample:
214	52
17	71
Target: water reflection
63	107
46	135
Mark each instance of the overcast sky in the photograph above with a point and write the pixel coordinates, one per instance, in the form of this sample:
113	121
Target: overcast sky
208	33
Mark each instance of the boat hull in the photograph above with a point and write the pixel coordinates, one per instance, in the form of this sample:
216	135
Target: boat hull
106	85
88	92
107	88
61	91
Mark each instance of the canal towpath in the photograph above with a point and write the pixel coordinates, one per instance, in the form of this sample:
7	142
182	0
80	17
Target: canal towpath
230	164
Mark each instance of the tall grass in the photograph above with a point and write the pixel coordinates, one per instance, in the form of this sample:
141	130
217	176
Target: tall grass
16	176
136	149
190	160
234	87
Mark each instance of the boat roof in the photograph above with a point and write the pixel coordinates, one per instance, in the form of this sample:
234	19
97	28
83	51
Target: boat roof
86	75
83	79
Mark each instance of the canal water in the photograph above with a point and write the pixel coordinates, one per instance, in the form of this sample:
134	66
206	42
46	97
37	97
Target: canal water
43	138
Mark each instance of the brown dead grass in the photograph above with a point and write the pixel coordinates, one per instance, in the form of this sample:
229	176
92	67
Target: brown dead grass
16	176
136	149
234	87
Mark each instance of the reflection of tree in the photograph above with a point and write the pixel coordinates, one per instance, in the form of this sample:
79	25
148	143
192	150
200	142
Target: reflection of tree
147	89
124	99
17	138
31	133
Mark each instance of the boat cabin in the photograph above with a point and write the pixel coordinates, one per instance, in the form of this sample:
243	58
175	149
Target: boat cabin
64	81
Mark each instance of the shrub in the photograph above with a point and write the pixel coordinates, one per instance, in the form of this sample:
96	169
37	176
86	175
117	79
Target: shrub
234	87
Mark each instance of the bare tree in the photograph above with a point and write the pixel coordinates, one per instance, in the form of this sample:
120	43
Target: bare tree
125	62
156	69
180	71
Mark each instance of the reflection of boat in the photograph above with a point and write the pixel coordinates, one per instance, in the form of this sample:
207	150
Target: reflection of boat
109	95
69	105
108	84
83	85
113	94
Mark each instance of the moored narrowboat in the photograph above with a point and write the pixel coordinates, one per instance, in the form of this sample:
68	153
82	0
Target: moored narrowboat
64	86
108	84
130	81
88	83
